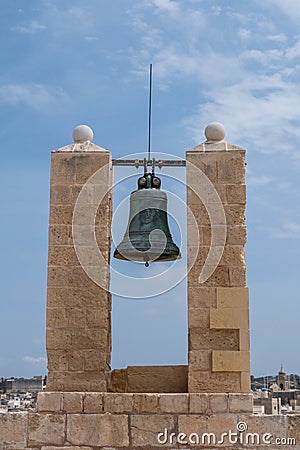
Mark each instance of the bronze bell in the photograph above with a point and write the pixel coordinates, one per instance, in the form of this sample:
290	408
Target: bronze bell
147	237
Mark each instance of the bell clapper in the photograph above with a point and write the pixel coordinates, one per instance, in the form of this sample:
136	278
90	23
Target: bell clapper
146	259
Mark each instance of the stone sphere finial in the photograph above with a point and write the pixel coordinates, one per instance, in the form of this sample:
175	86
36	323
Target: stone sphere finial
215	131
82	133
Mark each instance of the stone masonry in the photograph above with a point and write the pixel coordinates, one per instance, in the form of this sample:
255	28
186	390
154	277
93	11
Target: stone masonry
219	357
206	405
78	320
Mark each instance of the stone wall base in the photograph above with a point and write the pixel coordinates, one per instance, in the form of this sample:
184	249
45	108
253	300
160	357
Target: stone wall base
91	421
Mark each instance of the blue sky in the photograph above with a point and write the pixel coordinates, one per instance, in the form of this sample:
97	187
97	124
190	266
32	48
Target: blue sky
85	61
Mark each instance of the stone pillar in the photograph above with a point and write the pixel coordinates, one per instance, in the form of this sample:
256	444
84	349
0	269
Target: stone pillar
78	334
218	310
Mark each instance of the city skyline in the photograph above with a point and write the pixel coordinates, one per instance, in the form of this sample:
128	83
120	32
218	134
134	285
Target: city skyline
83	63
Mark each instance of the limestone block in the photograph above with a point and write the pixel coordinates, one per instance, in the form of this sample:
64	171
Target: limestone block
233	255
235	215
233	298
206	162
145	428
56	318
57	339
199	403
60	235
231	167
98	430
199	317
230	361
240	403
237	276
200	360
13	430
157	379
63	168
199	213
236	193
200	381
229	318
218	403
244	340
221	423
202	297
236	235
118	380
76	381
173	403
245	382
145	403
73	402
46	429
61	195
275	425
207	197
94	297
90	338
49	401
220	277
205	339
62	255
96	317
93	402
61	214
189	424
57	360
118	403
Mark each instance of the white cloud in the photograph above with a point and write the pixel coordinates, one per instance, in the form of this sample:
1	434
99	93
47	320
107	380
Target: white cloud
36	96
32	27
255	181
294	51
289	230
40	360
281	37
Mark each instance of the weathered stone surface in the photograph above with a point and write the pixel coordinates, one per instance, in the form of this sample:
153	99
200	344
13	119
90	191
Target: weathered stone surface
73	402
198	317
49	401
233	298
68	448
189	424
145	403
93	402
218	403
173	403
157	379
46	429
237	276
98	430
230	361
118	380
199	403
13	430
205	339
77	297
76	381
145	428
236	193
200	360
118	403
57	360
229	318
200	381
240	403
202	297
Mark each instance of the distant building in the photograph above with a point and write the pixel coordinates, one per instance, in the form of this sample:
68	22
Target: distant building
282	379
35	384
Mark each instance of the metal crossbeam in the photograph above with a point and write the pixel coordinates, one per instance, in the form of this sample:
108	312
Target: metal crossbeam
150	162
